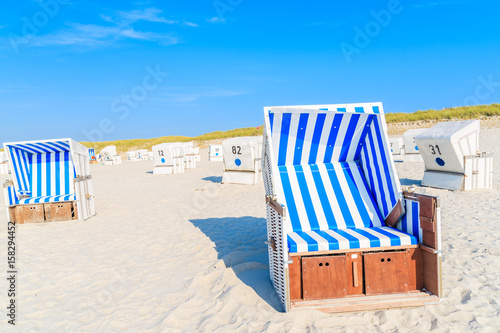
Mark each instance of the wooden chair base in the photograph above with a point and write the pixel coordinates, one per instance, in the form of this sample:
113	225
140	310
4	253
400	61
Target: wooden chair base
369	303
43	212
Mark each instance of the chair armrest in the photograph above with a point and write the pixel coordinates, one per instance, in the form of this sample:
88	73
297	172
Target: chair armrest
429	218
279	208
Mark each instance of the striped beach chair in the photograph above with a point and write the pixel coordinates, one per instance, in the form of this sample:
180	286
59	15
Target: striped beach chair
51	181
339	224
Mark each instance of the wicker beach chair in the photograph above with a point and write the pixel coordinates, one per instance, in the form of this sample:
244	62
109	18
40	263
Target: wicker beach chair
342	235
51	181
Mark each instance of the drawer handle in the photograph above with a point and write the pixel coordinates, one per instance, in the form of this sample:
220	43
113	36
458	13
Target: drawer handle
355	273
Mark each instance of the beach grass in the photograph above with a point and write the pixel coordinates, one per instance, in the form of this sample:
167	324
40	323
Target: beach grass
458	113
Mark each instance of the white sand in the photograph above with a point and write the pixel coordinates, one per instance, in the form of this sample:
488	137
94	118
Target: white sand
183	253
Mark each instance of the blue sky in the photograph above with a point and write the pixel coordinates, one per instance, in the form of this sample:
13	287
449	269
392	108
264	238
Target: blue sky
106	70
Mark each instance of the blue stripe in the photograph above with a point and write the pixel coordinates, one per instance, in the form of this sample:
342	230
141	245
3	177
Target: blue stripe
359	109
369	170
356	195
292	245
306	197
342	109
290	201
374	203
344	208
334	131
380	189
333	243
375	109
285	130
323	197
353	122
67	179
384	154
299	142
41	148
395	240
58	172
39	175
271	120
353	241
415	219
312	244
374	240
15	166
318	129
48	190
323	109
363	136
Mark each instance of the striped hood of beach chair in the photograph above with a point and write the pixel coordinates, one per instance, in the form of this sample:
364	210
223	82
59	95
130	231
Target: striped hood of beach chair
331	165
43	171
92	156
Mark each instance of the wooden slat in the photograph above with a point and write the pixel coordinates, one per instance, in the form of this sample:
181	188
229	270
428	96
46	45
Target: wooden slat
354	265
387	304
295	276
415	269
432	272
365	250
364	303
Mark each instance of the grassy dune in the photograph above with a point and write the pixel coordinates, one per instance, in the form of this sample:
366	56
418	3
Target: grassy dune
463	112
127	145
466	112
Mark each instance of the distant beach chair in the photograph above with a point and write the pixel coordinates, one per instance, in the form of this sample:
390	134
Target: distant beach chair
110	157
215	153
397	147
451	154
131	156
4	163
168	158
196	152
342	236
51	181
190	157
92	156
242	160
141	154
412	154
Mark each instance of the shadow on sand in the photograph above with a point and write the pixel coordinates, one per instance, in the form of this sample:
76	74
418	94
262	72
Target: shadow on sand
213	179
409	182
240	243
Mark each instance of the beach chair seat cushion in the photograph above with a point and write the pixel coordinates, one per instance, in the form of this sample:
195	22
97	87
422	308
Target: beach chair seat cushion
330	207
46	199
347	239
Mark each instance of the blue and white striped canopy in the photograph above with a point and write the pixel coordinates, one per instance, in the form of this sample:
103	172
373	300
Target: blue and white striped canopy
42	169
333	169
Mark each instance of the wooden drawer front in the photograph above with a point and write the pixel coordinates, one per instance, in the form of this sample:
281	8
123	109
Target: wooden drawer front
354	267
29	214
324	277
385	273
59	211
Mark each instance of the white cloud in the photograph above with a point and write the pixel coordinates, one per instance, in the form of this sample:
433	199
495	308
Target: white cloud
97	35
128	17
216	19
190	24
